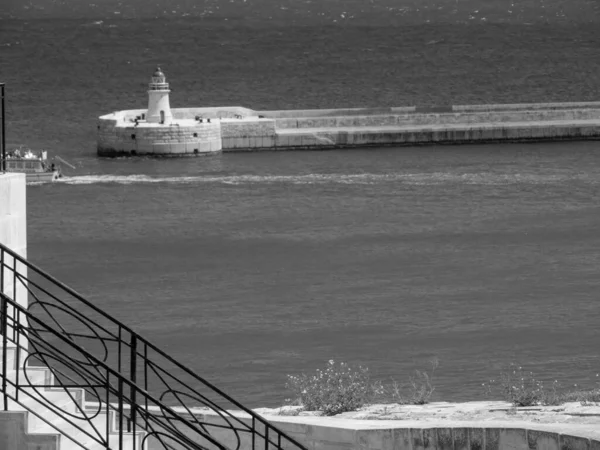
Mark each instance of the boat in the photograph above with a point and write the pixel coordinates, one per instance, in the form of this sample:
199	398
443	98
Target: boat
34	165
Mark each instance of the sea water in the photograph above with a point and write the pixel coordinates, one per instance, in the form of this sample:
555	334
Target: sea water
249	267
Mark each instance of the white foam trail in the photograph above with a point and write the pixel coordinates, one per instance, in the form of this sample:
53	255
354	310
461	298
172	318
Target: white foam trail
433	178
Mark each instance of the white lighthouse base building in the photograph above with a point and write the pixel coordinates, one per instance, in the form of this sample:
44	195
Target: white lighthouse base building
119	134
158	131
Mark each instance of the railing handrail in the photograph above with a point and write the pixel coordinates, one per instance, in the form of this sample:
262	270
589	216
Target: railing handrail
253	415
101	364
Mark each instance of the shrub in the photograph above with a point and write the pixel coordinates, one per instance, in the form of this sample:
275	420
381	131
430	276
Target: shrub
522	388
518	387
585	396
421	385
336	389
418	391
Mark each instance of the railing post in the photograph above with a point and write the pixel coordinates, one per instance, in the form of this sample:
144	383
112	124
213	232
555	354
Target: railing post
4	321
120	407
16	337
145	362
133	378
253	433
108	423
119	351
4	349
1	270
14	280
266	436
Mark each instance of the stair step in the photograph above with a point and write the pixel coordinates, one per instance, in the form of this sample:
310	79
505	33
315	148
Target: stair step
11	355
99	421
33	375
78	433
128	443
30	398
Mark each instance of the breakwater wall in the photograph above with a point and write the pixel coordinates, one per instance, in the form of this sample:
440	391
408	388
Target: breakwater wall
244	129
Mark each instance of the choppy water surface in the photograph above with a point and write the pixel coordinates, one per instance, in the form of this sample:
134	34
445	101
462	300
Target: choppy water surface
253	266
248	267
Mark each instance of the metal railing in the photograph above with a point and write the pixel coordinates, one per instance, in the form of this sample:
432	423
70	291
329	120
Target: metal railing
126	392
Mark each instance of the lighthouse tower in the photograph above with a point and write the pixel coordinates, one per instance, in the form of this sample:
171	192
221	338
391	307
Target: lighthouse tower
159	110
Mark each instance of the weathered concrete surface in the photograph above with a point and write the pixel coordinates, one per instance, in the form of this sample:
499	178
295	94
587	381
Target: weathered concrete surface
573	417
573	412
437	426
410	135
422	126
331	433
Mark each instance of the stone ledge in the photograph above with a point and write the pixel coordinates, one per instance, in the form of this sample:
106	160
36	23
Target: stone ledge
569	418
479	432
320	433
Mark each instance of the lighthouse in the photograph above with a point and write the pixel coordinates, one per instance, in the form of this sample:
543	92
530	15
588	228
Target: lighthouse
159	110
160	131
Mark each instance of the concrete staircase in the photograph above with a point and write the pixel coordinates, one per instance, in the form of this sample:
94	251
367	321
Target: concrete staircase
50	417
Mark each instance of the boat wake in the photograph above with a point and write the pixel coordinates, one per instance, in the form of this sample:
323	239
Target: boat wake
433	178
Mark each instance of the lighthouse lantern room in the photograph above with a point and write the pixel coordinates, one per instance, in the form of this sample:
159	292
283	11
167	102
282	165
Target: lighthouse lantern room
159	110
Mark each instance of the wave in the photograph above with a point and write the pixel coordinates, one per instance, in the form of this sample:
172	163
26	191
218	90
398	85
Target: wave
482	178
95	23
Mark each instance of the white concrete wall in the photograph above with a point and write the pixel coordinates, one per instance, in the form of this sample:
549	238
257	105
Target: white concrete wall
13	212
13	229
115	137
13	234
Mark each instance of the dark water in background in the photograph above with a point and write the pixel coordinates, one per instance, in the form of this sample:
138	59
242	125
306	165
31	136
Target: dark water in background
250	267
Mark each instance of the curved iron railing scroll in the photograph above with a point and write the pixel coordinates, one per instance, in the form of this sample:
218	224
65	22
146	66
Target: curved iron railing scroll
126	393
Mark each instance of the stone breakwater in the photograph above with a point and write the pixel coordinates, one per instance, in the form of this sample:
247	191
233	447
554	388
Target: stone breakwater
243	129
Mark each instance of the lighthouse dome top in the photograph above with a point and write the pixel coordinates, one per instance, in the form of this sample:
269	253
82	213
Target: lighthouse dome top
158	81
